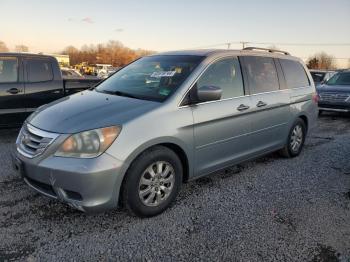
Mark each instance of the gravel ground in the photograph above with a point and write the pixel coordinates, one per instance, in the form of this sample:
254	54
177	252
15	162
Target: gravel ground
270	209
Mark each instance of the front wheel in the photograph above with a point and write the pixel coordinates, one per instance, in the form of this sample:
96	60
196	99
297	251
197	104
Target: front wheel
296	139
152	182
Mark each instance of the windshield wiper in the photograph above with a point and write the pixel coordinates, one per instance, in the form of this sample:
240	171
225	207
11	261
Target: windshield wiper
119	93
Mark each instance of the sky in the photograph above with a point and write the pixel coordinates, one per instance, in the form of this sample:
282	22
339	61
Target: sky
159	25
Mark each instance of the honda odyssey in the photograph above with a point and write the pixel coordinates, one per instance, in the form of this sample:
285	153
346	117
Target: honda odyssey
163	120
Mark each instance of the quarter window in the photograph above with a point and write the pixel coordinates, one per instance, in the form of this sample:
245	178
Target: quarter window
225	74
8	69
261	73
294	74
39	70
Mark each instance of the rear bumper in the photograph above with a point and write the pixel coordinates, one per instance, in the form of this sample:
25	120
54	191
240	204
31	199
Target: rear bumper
90	185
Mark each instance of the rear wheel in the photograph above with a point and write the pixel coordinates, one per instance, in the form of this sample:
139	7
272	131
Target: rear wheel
296	139
152	182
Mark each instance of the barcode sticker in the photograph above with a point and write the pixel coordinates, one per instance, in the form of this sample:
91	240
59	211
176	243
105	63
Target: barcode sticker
163	74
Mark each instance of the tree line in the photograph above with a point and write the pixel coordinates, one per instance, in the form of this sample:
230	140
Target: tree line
321	61
18	48
113	52
116	54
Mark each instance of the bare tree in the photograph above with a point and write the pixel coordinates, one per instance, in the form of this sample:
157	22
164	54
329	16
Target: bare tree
73	54
21	48
3	47
321	61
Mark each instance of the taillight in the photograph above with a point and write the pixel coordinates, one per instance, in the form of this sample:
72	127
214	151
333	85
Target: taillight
315	98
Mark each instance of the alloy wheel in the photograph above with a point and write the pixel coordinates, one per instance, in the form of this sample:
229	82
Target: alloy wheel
296	138
156	183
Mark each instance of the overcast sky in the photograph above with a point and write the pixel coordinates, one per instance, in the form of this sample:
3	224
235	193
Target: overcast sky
158	25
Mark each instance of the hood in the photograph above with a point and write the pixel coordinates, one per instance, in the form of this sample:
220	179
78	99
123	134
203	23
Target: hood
333	88
88	110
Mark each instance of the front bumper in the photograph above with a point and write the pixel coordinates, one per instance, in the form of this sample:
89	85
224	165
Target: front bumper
334	107
90	185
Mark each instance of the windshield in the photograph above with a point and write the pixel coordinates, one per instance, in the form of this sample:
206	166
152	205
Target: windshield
318	76
342	79
151	78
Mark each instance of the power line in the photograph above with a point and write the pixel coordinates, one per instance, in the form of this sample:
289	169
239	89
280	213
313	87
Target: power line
215	45
300	44
338	58
245	43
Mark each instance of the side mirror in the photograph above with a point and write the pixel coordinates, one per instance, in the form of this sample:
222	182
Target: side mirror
208	93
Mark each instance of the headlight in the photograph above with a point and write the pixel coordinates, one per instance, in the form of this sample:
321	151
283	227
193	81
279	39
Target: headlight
88	144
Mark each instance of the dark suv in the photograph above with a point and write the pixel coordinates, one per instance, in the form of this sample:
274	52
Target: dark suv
334	95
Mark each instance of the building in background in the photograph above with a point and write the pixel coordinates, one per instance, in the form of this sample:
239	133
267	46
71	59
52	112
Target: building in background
63	60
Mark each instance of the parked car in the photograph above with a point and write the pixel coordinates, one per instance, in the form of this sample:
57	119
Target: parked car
102	68
321	76
28	81
334	95
68	73
134	142
104	73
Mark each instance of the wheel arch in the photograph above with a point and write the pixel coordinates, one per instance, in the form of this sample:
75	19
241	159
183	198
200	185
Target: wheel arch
305	119
179	150
176	146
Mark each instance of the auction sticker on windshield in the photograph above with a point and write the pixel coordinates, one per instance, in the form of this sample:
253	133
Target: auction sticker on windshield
163	74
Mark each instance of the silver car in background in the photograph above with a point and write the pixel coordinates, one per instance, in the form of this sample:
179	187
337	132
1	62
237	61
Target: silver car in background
163	120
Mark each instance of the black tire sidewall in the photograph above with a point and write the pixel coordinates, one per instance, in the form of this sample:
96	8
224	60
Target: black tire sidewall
131	198
303	127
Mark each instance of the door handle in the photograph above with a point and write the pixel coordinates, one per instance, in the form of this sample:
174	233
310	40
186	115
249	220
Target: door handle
13	91
261	104
242	107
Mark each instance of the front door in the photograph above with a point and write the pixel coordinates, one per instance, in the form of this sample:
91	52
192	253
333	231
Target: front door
221	127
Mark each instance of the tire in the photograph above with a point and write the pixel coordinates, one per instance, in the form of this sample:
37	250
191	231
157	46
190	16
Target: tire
289	151
146	193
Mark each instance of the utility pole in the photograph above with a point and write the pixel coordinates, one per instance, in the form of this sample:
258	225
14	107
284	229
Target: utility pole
244	44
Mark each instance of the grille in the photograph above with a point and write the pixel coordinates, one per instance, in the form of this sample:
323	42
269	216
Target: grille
32	142
335	97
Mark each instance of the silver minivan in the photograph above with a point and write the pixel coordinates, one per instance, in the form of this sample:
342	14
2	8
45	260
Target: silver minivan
163	120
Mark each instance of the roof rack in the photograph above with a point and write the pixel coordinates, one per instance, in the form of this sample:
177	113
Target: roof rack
266	49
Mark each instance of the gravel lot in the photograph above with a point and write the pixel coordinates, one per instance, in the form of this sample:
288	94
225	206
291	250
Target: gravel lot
270	209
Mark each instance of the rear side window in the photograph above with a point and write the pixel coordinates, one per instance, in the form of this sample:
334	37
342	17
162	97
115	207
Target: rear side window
294	74
261	73
225	74
39	70
8	69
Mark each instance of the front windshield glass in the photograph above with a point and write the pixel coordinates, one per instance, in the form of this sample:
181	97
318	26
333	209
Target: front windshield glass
342	79
151	78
